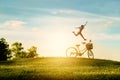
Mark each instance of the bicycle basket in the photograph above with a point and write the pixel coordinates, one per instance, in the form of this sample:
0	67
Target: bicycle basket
89	46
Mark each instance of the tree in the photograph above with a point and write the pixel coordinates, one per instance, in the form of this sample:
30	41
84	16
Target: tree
32	52
18	50
23	54
5	52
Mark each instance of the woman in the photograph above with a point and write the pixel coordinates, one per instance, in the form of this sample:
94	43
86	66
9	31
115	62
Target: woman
80	31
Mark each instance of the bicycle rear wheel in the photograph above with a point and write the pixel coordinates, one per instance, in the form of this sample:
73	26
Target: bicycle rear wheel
71	52
90	54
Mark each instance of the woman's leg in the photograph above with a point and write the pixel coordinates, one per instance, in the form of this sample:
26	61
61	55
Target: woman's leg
76	34
82	36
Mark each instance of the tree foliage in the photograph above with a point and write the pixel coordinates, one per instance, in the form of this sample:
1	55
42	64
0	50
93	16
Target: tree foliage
32	52
18	49
5	52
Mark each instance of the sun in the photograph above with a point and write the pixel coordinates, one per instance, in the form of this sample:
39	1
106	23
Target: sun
56	43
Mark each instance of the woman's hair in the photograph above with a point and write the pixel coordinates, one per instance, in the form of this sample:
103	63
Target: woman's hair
82	25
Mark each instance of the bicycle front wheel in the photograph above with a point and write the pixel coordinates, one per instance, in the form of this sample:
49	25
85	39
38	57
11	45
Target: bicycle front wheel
71	52
90	54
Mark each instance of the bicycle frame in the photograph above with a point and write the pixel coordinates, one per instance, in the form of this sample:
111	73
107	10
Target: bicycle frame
75	51
80	52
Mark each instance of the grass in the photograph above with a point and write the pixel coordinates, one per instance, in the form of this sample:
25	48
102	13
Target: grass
53	68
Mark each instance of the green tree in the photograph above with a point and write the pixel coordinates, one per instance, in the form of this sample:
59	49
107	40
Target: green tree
5	52
18	50
32	52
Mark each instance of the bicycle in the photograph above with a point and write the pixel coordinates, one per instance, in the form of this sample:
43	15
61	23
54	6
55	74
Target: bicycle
75	51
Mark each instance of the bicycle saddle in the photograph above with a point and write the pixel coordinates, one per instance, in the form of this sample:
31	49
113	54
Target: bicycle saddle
78	45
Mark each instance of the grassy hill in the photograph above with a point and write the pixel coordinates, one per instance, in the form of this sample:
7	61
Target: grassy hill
60	68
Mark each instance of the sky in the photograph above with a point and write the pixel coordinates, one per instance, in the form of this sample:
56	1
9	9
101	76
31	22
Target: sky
48	25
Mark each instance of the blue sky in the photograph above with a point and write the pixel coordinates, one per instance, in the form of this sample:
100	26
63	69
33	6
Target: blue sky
48	23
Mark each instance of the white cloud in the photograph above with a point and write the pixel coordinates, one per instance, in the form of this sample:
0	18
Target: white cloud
89	34
13	24
75	18
113	36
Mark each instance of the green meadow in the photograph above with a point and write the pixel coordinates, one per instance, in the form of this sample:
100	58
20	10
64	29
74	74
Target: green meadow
62	68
